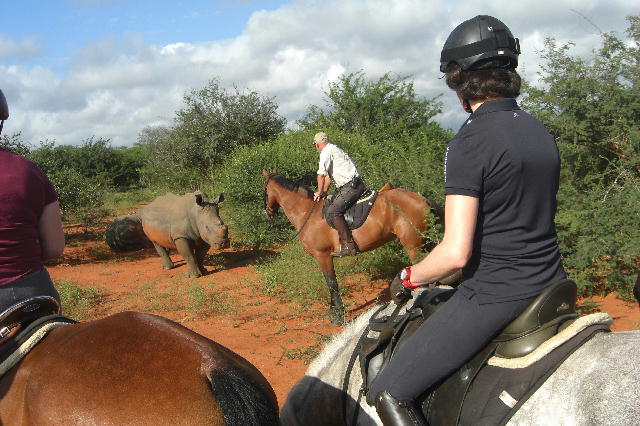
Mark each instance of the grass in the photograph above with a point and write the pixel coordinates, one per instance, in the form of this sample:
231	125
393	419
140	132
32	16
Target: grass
77	302
203	302
294	275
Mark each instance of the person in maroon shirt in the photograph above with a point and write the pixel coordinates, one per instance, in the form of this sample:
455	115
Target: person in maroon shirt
30	227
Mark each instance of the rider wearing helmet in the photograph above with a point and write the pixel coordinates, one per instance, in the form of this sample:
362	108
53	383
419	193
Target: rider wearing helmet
501	178
30	227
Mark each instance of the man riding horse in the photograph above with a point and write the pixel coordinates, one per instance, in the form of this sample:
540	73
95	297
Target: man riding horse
336	165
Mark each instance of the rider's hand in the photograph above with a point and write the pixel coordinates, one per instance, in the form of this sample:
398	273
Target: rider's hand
401	287
319	195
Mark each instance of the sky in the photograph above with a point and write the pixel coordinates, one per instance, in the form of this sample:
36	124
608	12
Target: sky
76	69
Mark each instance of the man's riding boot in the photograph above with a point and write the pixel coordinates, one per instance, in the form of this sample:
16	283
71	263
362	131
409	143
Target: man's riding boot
398	413
348	247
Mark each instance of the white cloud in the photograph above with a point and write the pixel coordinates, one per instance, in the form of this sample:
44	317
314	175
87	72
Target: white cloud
27	48
115	88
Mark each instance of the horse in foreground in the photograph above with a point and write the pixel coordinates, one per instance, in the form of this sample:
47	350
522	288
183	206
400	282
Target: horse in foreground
597	384
134	368
396	213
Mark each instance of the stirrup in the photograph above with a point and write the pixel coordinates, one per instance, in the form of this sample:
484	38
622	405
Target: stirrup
346	251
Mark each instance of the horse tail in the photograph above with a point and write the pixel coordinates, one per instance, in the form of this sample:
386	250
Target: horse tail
242	400
124	233
636	289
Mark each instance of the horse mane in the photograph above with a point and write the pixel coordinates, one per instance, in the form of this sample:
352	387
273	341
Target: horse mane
290	185
241	400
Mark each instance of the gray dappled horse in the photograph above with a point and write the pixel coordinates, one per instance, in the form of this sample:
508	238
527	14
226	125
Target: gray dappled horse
599	384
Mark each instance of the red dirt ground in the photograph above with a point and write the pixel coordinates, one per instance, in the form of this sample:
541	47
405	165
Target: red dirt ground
277	336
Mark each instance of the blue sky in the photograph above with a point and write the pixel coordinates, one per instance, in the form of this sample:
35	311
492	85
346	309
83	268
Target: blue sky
75	69
60	28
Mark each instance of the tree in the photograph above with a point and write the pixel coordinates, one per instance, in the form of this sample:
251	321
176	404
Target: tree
591	106
214	122
386	108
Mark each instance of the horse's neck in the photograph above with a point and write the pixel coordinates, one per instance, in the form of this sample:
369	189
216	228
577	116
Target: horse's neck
295	206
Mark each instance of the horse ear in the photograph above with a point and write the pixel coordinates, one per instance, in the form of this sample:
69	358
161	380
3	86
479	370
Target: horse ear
264	173
274	171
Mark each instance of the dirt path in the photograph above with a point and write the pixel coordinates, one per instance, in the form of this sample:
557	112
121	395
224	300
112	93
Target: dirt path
228	305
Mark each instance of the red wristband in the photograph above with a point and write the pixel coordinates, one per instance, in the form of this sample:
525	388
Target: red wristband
405	276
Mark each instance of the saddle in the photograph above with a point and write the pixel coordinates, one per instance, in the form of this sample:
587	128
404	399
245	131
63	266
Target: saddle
357	214
490	387
24	324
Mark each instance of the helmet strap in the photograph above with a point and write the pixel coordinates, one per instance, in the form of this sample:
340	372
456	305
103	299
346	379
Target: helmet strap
1	124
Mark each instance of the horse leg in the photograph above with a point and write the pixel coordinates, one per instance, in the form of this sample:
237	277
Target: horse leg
336	307
164	256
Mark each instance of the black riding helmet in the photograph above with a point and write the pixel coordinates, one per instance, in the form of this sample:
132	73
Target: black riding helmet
480	43
4	110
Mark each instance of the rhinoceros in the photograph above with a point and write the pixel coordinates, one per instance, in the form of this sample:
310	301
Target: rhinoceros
189	223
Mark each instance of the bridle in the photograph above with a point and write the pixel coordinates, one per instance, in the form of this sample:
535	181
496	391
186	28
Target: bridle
269	211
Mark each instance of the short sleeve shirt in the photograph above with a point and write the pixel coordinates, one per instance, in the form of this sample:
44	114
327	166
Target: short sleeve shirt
507	159
24	191
337	164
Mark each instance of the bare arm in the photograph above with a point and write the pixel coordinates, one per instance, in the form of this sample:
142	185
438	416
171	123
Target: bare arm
323	187
50	231
455	249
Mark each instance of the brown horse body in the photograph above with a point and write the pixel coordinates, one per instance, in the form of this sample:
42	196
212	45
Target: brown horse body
397	213
134	368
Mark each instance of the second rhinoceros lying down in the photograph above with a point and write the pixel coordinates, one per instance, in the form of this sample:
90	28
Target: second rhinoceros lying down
190	223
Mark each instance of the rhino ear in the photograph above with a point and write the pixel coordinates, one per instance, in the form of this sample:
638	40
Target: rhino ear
219	199
199	200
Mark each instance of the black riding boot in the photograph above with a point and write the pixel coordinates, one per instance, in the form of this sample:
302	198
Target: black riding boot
348	247
398	413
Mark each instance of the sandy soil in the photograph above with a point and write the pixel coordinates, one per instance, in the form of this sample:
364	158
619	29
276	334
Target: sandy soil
277	336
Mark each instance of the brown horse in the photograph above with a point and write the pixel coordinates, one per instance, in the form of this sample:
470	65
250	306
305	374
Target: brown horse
396	213
134	368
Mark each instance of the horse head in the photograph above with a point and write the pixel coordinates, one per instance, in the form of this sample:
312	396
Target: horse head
271	204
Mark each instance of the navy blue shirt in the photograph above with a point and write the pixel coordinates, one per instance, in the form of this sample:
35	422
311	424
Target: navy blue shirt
507	159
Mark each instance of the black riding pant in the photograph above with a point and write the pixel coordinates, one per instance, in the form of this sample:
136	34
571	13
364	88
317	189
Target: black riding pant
449	338
345	197
30	285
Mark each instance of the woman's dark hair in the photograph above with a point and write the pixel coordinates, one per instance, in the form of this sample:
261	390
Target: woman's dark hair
481	84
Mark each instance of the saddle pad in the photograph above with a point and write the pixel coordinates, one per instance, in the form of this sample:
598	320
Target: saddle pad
545	348
497	393
28	344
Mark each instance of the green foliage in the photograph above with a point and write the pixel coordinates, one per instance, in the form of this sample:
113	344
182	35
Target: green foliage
94	160
387	108
591	106
15	144
213	124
